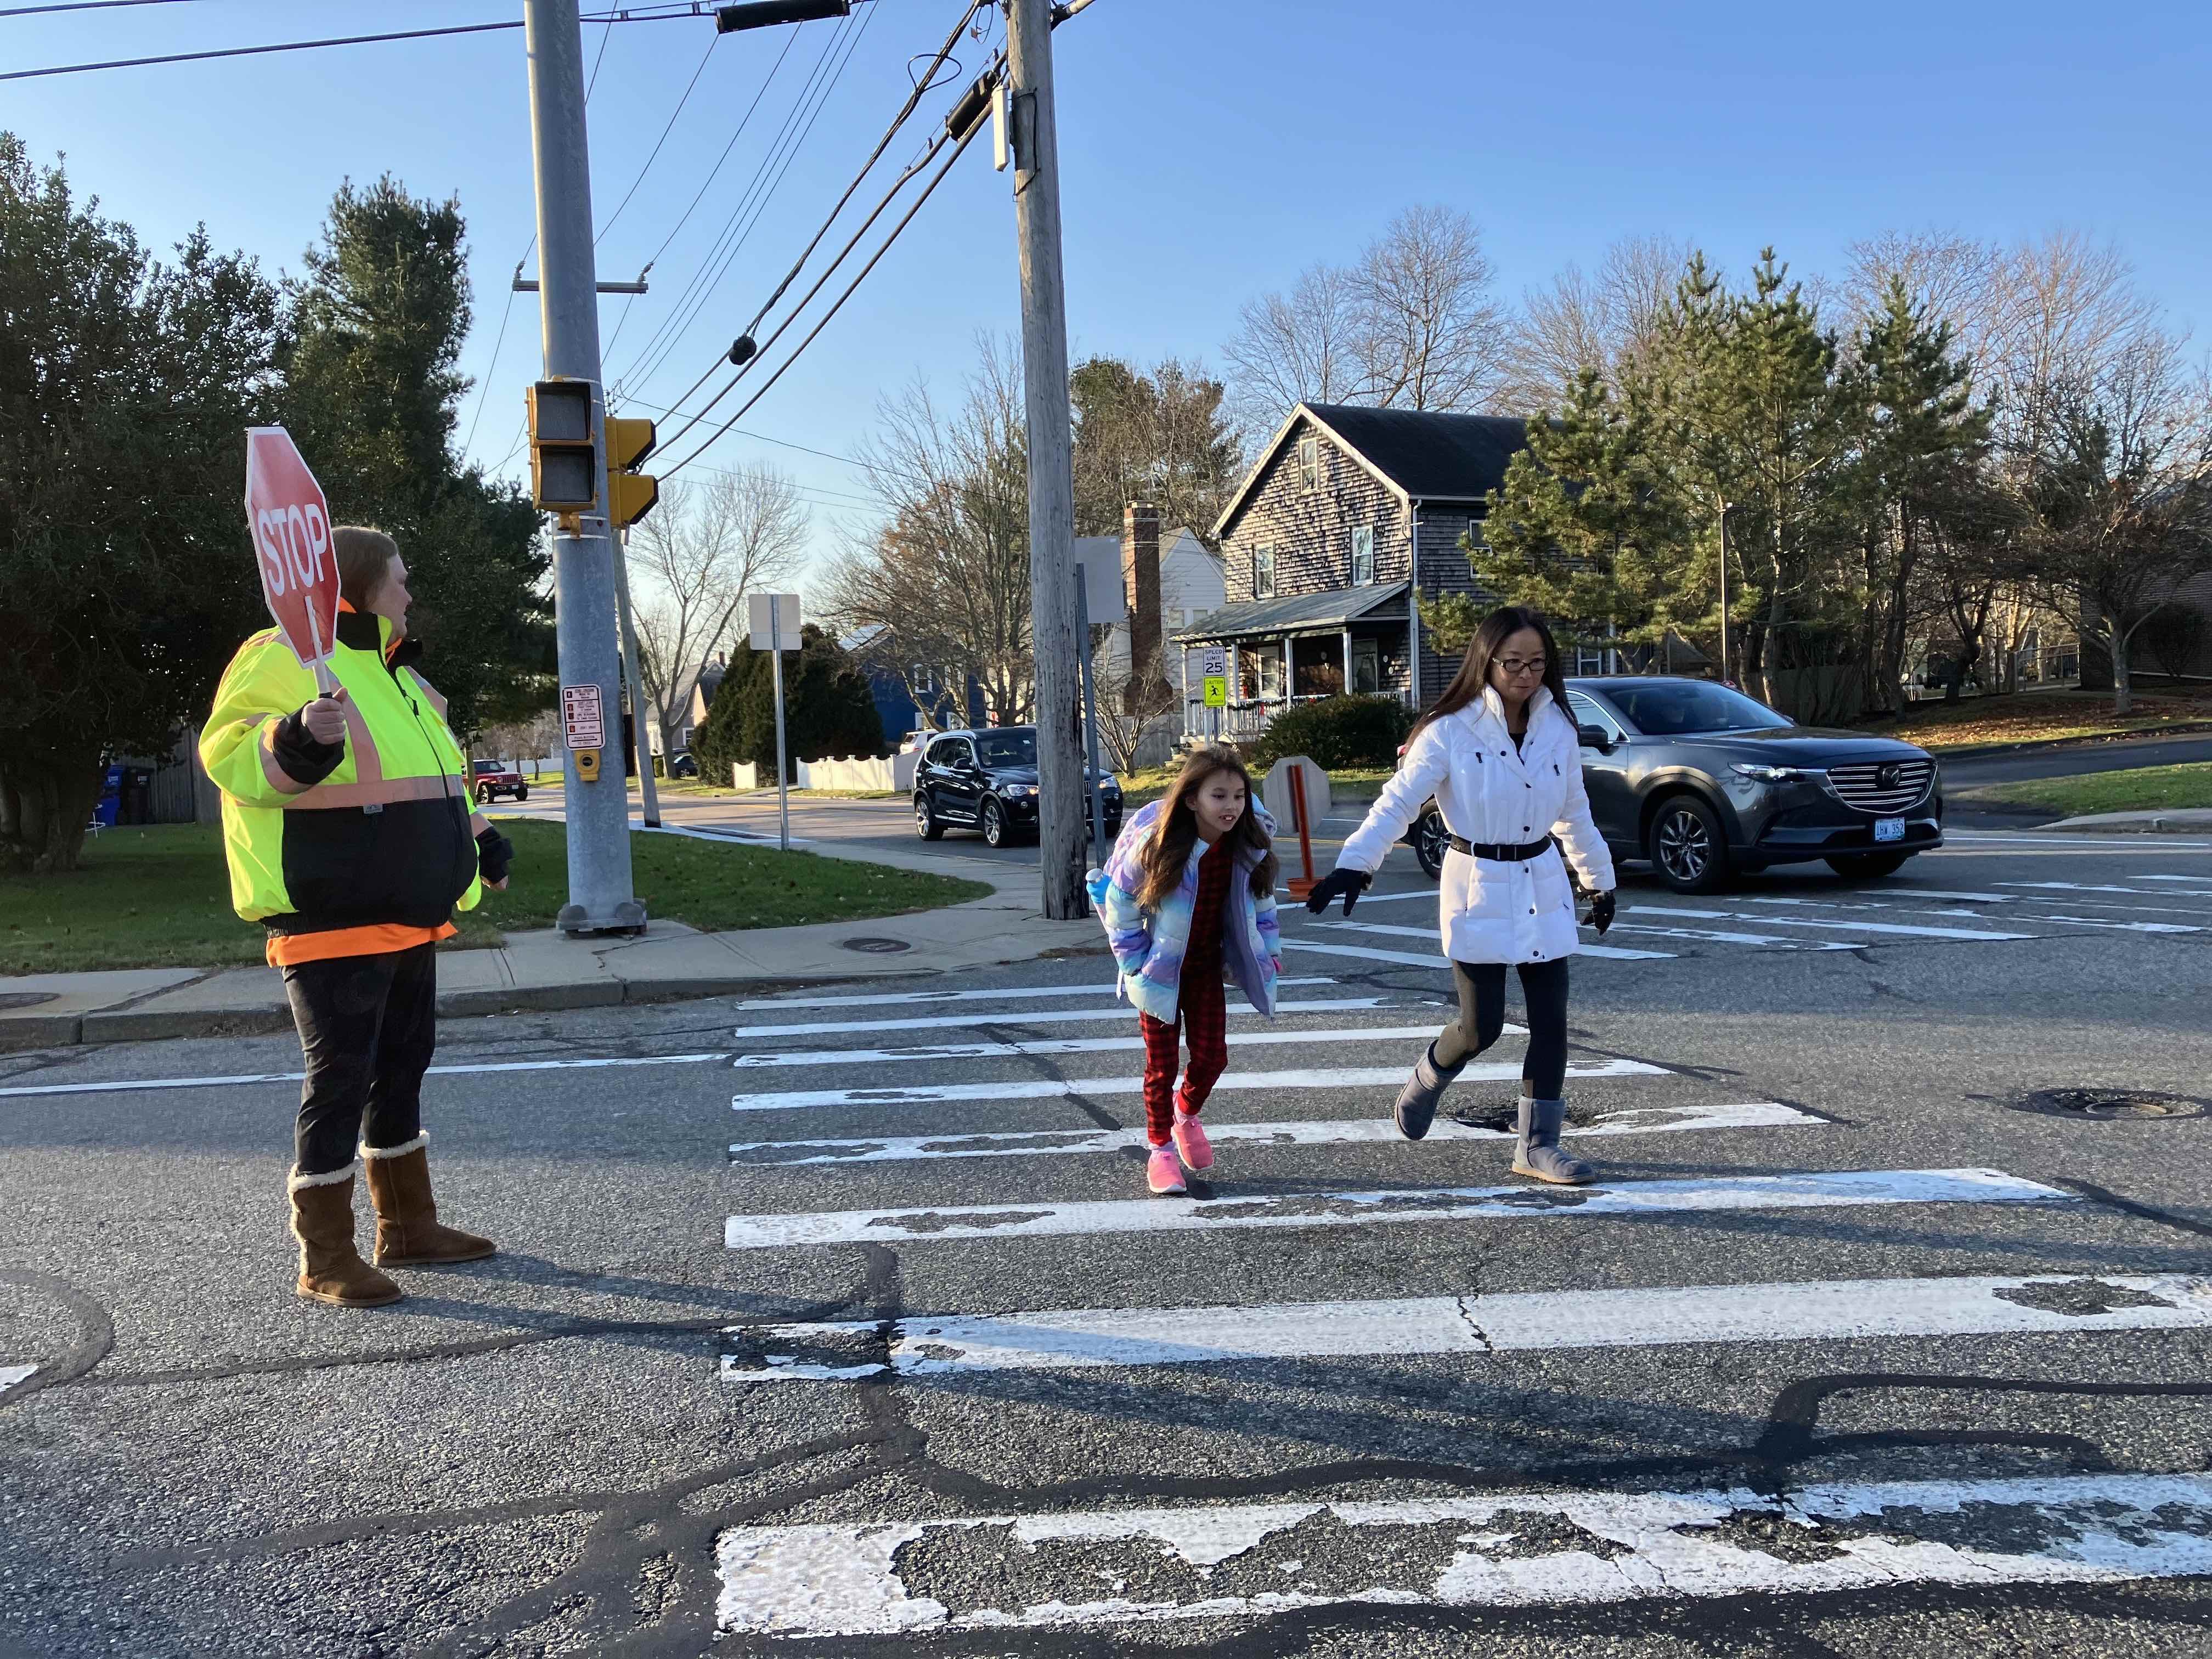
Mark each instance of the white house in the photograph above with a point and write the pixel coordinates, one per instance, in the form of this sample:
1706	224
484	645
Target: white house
1170	581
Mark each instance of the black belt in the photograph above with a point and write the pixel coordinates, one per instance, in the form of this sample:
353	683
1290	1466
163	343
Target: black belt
1498	852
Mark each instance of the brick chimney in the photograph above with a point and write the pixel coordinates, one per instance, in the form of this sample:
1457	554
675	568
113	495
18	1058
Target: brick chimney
1140	576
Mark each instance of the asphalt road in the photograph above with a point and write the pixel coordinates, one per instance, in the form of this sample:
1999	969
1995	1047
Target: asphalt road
2073	761
1847	1353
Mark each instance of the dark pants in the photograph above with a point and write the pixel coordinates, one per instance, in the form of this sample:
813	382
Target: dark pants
368	1026
1482	1017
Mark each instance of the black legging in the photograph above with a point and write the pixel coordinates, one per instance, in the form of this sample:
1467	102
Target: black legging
1482	1017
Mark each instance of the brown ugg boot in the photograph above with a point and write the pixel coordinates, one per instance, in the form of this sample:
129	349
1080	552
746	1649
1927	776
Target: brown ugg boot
408	1233
331	1268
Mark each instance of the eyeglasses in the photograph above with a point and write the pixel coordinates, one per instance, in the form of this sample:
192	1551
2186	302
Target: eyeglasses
1513	667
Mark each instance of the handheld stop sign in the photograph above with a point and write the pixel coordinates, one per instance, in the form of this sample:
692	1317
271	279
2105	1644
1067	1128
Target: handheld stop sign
291	526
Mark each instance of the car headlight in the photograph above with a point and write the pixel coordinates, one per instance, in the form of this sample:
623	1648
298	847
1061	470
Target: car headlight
1768	773
1016	791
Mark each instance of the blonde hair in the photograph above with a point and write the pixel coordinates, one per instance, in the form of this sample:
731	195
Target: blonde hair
364	559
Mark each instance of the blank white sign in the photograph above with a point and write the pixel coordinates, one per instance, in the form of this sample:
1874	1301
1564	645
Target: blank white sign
784	620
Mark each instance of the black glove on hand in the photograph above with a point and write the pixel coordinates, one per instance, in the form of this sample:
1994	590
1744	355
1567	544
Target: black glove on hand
1347	883
1602	911
495	852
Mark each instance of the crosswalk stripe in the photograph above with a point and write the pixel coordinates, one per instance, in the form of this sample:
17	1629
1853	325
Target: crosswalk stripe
1351	1077
1437	959
1060	1143
1057	1046
1718	936
125	1086
1623	927
1915	892
1817	1190
1031	1017
11	1375
902	998
1428	893
1506	1549
2095	887
2120	926
1516	1322
1826	921
2165	878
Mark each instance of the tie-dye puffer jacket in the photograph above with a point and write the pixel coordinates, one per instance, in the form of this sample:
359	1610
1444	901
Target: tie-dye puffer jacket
1148	945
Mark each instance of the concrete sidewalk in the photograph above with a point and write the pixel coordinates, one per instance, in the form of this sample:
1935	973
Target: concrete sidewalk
548	970
2171	820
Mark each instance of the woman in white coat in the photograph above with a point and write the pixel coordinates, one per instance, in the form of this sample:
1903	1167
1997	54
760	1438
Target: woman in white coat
1500	753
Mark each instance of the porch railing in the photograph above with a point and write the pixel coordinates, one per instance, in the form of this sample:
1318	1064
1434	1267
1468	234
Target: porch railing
1244	717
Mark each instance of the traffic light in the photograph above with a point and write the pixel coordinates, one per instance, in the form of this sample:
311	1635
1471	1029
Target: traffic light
629	440
564	462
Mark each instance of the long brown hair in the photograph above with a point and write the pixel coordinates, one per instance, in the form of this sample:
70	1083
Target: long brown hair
1499	626
1166	853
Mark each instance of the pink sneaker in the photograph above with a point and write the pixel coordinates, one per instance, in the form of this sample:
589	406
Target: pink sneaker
1191	1144
1162	1174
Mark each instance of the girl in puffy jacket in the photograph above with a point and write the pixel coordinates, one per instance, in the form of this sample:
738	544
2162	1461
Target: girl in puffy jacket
1187	898
1500	753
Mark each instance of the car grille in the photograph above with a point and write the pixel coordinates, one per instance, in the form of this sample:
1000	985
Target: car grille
1882	785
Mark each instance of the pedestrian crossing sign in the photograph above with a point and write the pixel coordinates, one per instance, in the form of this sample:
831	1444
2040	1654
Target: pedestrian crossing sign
1217	692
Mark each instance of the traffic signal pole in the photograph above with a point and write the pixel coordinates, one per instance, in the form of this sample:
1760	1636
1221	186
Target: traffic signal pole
600	897
1053	646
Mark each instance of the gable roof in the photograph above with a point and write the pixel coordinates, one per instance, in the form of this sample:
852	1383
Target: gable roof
1418	454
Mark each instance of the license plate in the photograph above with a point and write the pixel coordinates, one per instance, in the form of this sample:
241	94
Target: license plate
1889	829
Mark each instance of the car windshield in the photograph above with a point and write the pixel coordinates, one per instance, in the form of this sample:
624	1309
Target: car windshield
1676	706
1007	748
487	766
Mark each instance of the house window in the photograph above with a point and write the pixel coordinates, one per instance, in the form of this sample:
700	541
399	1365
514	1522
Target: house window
1367	667
925	682
1362	555
1263	573
1260	670
1309	462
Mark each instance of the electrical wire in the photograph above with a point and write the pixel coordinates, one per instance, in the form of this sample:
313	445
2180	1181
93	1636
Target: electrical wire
84	5
701	289
711	42
936	179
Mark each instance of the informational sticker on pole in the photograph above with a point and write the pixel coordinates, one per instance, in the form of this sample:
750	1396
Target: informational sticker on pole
1214	671
291	526
773	620
583	718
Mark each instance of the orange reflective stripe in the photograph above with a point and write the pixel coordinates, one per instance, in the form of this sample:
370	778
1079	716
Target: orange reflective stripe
371	939
279	779
380	794
437	698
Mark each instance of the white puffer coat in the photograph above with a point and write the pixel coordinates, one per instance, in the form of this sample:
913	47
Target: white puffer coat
1491	794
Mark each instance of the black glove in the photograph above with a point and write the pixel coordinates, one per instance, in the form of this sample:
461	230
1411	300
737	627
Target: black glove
495	852
1602	911
1349	884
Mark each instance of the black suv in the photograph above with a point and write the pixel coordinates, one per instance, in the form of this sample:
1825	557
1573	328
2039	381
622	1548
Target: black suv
987	781
1707	783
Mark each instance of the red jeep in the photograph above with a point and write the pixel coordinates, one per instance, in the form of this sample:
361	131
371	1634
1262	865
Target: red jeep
496	778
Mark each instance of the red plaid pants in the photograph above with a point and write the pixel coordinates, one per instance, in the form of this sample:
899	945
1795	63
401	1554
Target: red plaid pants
1202	1017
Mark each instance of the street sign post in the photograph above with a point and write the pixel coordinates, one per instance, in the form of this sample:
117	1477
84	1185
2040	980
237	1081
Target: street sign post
1109	597
1213	671
291	526
773	619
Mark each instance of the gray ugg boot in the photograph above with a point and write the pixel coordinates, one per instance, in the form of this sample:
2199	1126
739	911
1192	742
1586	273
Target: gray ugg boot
1537	1152
1417	1102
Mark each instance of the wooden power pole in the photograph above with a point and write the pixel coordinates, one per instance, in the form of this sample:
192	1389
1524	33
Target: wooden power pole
1055	651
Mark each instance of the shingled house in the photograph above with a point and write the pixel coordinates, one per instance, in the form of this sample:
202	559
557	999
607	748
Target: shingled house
1346	512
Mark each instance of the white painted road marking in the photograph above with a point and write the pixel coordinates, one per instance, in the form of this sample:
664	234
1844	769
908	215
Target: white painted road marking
2122	927
918	1094
2005	839
1841	1309
1057	1046
1836	922
900	998
1716	936
1903	891
1031	1017
126	1084
1437	959
1060	1143
11	1375
1509	1549
2165	878
2091	887
1822	1190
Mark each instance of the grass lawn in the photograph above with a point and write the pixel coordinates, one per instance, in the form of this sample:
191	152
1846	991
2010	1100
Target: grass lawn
2140	789
2035	717
159	897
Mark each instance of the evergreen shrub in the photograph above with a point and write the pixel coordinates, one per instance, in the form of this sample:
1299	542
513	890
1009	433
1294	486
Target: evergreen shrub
1348	730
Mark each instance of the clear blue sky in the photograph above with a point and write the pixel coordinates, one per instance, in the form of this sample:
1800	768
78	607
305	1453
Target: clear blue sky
1212	149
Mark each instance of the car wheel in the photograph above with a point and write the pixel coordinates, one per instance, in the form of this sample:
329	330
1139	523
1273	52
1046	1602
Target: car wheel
522	791
1431	840
1865	866
1687	848
924	820
994	824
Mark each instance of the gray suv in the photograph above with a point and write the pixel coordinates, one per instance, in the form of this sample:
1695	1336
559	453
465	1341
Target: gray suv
1707	784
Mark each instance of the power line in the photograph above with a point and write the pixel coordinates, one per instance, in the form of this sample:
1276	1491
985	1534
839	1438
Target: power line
84	5
713	40
936	179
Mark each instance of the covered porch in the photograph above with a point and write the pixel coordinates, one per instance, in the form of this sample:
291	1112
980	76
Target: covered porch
1289	651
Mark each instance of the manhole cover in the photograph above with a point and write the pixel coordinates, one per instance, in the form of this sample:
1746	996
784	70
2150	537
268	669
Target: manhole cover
2105	1104
880	947
27	999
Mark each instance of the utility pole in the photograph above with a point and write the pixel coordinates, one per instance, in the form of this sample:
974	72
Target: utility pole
1724	614
1054	649
600	897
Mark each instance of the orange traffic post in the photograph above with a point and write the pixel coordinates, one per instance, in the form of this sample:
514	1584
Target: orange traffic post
1301	885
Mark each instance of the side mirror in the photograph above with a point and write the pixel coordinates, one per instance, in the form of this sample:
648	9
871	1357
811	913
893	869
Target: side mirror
1594	737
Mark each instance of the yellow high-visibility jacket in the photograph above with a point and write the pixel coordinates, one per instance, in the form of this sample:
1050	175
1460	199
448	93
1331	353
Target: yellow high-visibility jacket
326	836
